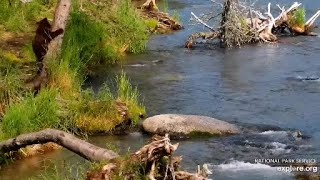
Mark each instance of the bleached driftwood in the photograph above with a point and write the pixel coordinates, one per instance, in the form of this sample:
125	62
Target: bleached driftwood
258	26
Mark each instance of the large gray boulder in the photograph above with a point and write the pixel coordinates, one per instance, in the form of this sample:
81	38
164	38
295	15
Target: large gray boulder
187	125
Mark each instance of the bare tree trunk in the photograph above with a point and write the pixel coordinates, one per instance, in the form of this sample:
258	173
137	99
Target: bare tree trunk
72	143
60	21
224	19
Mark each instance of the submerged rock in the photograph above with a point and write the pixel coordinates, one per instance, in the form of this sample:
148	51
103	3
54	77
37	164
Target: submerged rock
187	125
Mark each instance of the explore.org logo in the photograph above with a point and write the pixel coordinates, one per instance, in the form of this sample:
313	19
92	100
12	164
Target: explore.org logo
291	168
291	165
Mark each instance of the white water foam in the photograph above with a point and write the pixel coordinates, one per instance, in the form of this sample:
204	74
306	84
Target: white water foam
240	170
278	148
243	166
136	65
273	133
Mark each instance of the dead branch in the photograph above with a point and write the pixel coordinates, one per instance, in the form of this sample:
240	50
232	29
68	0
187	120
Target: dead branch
205	24
70	142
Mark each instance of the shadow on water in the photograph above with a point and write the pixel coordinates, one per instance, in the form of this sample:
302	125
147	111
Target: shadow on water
270	90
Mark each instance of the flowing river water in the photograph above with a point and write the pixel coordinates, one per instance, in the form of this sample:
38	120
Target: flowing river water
262	88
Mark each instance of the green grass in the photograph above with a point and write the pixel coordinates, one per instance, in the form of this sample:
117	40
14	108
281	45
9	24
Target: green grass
132	27
98	35
129	95
83	42
18	16
10	82
102	35
176	16
32	114
299	18
66	171
99	113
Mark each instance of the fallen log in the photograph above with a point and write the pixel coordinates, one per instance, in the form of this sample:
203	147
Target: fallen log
70	142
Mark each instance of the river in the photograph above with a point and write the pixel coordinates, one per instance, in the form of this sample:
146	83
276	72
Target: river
258	87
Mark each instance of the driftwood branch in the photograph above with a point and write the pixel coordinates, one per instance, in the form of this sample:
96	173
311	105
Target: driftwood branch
70	142
205	24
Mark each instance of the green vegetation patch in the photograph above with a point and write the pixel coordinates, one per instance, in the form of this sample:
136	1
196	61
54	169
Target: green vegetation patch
32	114
17	16
298	18
97	33
101	113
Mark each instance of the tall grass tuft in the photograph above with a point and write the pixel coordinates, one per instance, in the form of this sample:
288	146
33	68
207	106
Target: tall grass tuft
32	114
83	42
133	30
130	96
100	113
10	83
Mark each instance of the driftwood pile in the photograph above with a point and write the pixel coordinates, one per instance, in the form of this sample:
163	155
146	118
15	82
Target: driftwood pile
155	159
241	24
165	22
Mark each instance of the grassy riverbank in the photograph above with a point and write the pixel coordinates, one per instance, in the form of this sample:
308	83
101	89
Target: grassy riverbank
97	34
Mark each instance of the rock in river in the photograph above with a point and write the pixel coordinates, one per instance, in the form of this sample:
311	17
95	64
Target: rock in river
187	125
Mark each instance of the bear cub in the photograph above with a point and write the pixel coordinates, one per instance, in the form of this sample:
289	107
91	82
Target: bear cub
43	37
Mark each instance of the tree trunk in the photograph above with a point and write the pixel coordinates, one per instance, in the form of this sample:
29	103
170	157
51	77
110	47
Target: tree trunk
224	19
60	21
72	143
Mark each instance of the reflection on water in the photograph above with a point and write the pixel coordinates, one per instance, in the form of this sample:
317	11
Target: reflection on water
258	87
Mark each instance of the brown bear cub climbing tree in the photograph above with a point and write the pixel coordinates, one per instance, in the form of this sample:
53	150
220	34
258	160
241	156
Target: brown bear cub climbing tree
43	37
40	46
